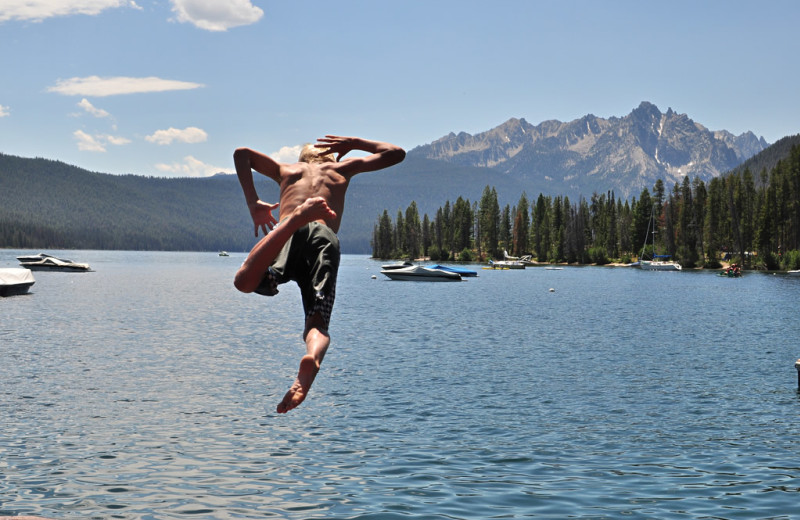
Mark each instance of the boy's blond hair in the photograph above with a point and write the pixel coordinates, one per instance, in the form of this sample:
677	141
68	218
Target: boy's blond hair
311	154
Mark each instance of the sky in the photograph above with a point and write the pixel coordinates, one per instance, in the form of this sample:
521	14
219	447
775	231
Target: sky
171	88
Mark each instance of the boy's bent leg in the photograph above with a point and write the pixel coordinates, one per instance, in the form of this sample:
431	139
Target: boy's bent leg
250	274
317	341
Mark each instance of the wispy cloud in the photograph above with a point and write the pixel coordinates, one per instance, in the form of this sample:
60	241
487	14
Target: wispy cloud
95	86
213	15
91	109
38	10
191	167
189	135
98	142
4	111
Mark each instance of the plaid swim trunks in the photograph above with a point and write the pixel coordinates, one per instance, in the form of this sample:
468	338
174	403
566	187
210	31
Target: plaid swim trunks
311	259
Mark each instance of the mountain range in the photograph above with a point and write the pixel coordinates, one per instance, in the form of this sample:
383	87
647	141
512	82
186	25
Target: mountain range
593	154
40	197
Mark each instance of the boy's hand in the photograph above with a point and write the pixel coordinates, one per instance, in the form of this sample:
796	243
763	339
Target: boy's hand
261	212
341	146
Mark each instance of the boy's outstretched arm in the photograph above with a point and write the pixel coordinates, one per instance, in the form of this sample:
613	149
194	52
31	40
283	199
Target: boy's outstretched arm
382	155
245	161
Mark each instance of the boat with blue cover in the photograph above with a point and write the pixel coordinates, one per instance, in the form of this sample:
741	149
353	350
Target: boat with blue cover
458	270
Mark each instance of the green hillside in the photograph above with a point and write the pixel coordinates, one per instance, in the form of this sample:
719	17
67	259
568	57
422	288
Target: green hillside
50	204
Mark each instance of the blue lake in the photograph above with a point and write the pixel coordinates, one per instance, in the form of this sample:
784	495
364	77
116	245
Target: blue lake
147	389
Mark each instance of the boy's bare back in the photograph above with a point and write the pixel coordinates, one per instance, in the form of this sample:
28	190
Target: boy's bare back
301	181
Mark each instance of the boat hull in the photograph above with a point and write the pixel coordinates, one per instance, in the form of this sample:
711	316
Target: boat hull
44	262
421	274
15	281
15	290
74	268
508	264
659	266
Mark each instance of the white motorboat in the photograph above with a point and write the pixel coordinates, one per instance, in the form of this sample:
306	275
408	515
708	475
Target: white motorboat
15	280
417	273
44	262
506	264
38	257
524	260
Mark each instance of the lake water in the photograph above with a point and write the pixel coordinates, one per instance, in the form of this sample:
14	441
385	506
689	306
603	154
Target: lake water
147	389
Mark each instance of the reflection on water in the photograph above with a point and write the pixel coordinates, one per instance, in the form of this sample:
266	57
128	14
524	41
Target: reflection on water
146	390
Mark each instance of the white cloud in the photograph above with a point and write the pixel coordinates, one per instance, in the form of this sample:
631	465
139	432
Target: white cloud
98	142
100	87
87	143
213	15
91	109
111	139
191	167
4	111
287	154
189	134
38	10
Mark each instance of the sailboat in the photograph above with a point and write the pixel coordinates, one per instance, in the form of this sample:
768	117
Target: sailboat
659	262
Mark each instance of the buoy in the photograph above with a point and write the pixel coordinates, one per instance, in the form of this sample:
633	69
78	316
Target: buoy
552	290
797	366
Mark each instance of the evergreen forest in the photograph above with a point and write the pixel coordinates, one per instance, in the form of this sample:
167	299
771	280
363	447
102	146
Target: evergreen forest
743	217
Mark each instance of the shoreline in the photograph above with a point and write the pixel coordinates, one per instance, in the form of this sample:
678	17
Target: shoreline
723	265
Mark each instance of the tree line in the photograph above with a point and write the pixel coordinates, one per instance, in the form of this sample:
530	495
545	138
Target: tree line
750	219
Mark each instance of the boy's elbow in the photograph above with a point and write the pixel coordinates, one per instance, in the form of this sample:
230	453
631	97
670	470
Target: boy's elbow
397	155
241	154
241	283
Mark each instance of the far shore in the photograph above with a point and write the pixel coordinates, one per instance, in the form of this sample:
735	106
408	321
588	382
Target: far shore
723	265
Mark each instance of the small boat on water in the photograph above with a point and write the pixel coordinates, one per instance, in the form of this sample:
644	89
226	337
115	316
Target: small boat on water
733	271
553	268
507	264
794	272
657	262
15	281
660	265
45	262
417	273
524	260
223	253
459	270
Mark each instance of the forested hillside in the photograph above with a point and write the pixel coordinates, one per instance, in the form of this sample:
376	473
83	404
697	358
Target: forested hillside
49	204
768	159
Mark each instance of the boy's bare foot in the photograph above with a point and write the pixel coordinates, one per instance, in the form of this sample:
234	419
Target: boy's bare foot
299	390
315	208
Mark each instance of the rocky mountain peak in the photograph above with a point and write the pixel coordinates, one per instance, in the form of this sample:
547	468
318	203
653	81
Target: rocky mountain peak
591	154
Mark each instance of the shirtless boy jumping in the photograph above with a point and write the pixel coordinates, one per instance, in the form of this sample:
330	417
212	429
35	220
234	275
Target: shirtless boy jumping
304	247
